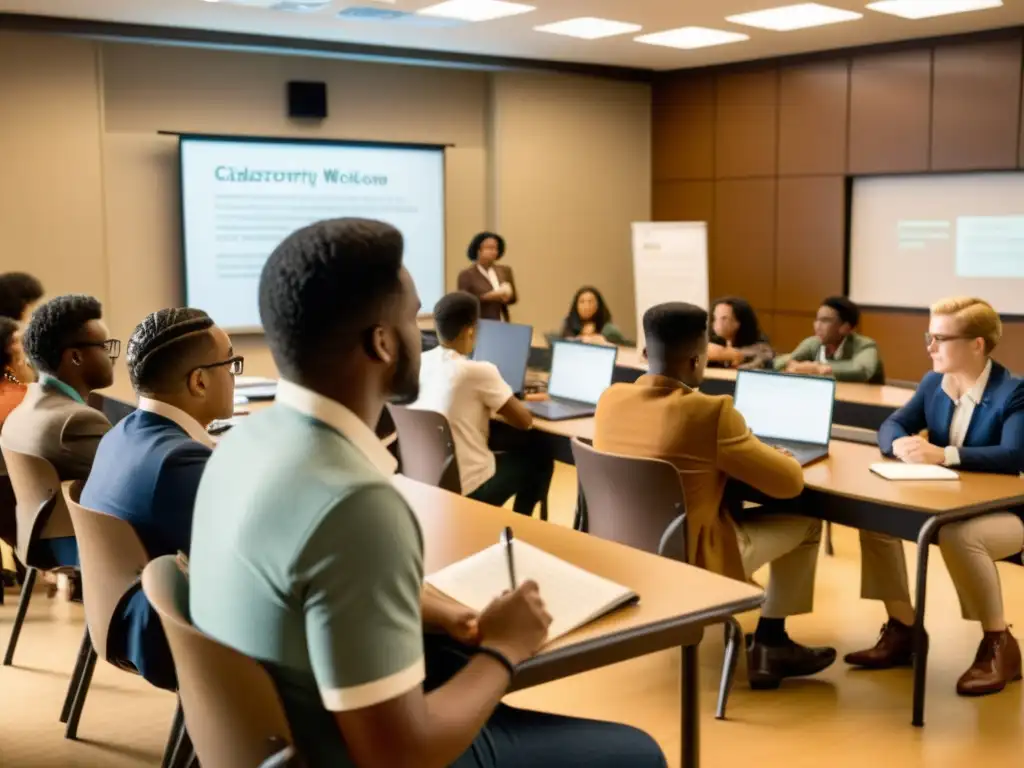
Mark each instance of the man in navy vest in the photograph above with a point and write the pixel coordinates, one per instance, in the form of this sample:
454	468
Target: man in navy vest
147	468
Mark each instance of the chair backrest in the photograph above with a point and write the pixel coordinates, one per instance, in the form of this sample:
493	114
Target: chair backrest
631	500
232	710
426	447
111	407
112	559
37	492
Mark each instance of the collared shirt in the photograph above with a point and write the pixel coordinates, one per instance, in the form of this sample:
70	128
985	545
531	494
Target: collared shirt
491	275
824	357
189	425
46	380
963	410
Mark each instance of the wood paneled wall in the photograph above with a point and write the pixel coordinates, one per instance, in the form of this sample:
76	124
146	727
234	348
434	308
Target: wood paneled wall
763	154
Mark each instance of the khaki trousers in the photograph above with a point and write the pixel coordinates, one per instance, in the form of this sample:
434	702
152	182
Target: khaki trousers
970	550
790	543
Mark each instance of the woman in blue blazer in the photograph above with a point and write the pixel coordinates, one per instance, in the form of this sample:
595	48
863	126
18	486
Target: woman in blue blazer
973	410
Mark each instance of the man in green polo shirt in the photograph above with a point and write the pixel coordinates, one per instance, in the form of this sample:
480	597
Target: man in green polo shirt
305	557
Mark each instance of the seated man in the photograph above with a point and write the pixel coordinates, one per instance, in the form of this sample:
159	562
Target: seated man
663	416
69	345
835	349
973	409
469	394
306	557
148	466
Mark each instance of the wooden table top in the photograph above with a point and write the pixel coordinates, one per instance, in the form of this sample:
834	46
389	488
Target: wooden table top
455	527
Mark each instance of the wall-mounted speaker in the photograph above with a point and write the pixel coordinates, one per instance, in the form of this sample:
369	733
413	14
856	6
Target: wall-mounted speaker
307	99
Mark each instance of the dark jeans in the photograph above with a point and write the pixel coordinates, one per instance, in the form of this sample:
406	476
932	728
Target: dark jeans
521	474
55	553
518	738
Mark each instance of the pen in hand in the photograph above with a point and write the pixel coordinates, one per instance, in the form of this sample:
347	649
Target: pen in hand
506	539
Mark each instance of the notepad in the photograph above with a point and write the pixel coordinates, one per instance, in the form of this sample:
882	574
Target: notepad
572	596
897	470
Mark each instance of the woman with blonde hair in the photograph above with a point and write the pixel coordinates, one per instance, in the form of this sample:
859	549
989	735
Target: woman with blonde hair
973	409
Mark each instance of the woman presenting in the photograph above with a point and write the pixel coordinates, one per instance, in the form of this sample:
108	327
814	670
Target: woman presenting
489	281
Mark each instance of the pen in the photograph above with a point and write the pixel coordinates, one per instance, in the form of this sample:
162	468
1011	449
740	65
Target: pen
506	539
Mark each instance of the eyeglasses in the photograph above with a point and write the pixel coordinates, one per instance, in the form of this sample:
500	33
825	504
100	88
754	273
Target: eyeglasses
939	338
236	365
111	346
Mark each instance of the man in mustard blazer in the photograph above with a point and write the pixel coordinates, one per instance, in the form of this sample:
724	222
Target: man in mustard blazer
835	349
663	416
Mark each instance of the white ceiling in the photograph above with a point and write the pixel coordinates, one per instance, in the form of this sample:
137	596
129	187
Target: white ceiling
514	36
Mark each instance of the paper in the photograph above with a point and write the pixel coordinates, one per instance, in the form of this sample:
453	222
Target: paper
897	470
573	596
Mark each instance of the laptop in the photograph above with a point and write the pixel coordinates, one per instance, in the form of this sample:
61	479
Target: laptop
580	373
788	411
507	345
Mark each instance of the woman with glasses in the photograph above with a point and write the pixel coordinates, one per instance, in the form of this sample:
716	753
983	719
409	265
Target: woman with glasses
973	410
70	347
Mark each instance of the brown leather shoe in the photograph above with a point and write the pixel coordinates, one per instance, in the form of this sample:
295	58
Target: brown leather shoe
768	665
895	648
996	664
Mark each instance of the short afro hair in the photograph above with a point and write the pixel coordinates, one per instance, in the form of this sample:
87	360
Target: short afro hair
454	313
17	291
162	343
473	252
8	328
55	326
848	311
675	325
326	281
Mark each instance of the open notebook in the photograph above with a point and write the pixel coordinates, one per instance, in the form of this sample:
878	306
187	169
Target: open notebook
573	596
897	470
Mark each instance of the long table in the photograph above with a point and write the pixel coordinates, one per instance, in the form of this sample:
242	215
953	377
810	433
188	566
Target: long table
842	489
676	600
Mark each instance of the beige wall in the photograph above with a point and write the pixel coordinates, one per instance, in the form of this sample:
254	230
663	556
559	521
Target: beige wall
89	197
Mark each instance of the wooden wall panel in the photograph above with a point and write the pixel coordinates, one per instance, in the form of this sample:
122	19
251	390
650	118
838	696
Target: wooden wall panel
810	242
1010	351
791	328
890	112
743	238
813	101
900	337
683	129
976	105
684	201
746	122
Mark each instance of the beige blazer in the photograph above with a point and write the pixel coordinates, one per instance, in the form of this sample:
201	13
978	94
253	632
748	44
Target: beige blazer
471	280
51	425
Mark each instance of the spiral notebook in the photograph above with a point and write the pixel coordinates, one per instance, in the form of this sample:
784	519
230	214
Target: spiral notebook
574	597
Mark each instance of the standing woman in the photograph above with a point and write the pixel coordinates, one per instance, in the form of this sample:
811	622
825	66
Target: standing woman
736	340
490	282
590	321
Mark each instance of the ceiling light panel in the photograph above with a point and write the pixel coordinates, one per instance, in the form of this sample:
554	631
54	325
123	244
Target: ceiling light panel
589	28
790	17
926	9
689	38
475	10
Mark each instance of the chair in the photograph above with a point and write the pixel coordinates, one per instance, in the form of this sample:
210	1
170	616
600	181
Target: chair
640	502
426	447
234	716
111	407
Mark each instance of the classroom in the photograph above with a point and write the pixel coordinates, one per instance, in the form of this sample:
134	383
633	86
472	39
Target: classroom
486	384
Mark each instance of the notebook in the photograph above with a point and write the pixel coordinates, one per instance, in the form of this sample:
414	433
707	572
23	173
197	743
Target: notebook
573	596
897	470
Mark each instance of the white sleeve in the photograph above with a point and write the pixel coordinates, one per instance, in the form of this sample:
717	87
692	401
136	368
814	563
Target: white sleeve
952	456
489	386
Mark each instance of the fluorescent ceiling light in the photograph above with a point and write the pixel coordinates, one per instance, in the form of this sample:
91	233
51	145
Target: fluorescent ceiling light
589	28
791	17
691	37
924	9
475	10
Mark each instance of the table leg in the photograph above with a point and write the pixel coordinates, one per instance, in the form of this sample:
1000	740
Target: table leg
690	708
924	541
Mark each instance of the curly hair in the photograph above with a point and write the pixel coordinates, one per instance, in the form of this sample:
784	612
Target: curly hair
848	311
8	328
163	343
573	324
749	332
454	313
17	291
473	252
55	326
326	282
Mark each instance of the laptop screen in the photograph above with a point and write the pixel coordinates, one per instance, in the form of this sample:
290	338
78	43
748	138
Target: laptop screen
581	372
507	346
786	407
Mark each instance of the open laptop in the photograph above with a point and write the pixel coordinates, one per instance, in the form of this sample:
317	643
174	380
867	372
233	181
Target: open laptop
507	345
788	411
579	374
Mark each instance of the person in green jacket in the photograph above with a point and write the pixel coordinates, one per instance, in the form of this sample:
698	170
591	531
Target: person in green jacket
836	349
590	321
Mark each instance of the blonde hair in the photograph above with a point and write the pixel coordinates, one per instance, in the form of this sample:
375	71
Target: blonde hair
977	318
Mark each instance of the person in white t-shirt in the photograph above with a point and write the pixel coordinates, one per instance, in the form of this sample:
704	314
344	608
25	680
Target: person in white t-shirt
470	393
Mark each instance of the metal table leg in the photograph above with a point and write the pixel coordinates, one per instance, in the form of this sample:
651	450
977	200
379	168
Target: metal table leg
690	708
929	531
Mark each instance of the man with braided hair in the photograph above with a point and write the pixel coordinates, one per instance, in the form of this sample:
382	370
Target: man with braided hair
147	468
